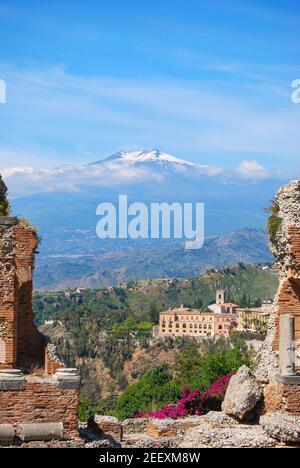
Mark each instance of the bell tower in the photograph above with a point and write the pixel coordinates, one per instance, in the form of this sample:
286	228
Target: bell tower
220	296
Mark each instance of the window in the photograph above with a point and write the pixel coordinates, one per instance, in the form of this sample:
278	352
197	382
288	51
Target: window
184	325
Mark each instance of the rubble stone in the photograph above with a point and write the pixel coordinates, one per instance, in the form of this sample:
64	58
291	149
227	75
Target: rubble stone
283	427
238	436
242	395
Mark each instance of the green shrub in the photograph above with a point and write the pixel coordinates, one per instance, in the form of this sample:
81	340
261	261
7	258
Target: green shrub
199	370
86	408
274	224
4	206
162	385
222	363
154	390
274	221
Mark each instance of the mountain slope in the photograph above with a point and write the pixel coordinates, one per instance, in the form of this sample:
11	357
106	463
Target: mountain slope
154	159
142	261
64	210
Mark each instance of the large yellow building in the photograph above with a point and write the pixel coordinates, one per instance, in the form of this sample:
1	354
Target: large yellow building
255	319
191	322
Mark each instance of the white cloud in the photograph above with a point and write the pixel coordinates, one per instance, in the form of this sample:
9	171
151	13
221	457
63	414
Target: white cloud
80	115
24	181
251	170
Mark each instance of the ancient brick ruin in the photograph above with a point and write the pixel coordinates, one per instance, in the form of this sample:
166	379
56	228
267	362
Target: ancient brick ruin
35	386
283	391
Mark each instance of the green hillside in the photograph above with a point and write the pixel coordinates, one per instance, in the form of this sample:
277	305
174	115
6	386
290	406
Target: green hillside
99	330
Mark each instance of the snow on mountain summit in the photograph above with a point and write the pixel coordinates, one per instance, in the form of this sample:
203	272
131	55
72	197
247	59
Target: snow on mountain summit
148	155
143	156
154	157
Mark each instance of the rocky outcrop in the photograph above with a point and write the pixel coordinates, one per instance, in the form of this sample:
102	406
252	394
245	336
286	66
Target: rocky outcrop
242	395
283	427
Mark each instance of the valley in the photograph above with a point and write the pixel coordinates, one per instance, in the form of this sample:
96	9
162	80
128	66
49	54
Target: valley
107	332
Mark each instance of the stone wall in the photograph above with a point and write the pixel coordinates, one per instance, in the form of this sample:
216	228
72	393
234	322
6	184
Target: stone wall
35	387
21	344
30	343
41	401
282	398
283	390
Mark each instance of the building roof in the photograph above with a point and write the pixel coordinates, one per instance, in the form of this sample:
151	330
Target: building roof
260	310
228	304
195	312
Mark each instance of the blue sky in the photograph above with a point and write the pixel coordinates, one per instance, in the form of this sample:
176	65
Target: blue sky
206	81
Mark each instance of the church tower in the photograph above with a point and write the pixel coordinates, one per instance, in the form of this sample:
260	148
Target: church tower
220	296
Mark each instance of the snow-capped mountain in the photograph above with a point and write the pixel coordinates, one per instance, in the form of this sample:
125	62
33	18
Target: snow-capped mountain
154	159
131	169
150	155
67	196
62	201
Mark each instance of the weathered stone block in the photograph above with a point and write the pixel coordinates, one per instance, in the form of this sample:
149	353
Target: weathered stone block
67	378
135	425
286	345
40	431
12	379
108	425
7	433
161	428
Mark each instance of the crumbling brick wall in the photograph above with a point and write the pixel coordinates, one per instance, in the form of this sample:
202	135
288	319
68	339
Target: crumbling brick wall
289	292
282	398
30	343
40	402
283	390
21	344
27	393
8	325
